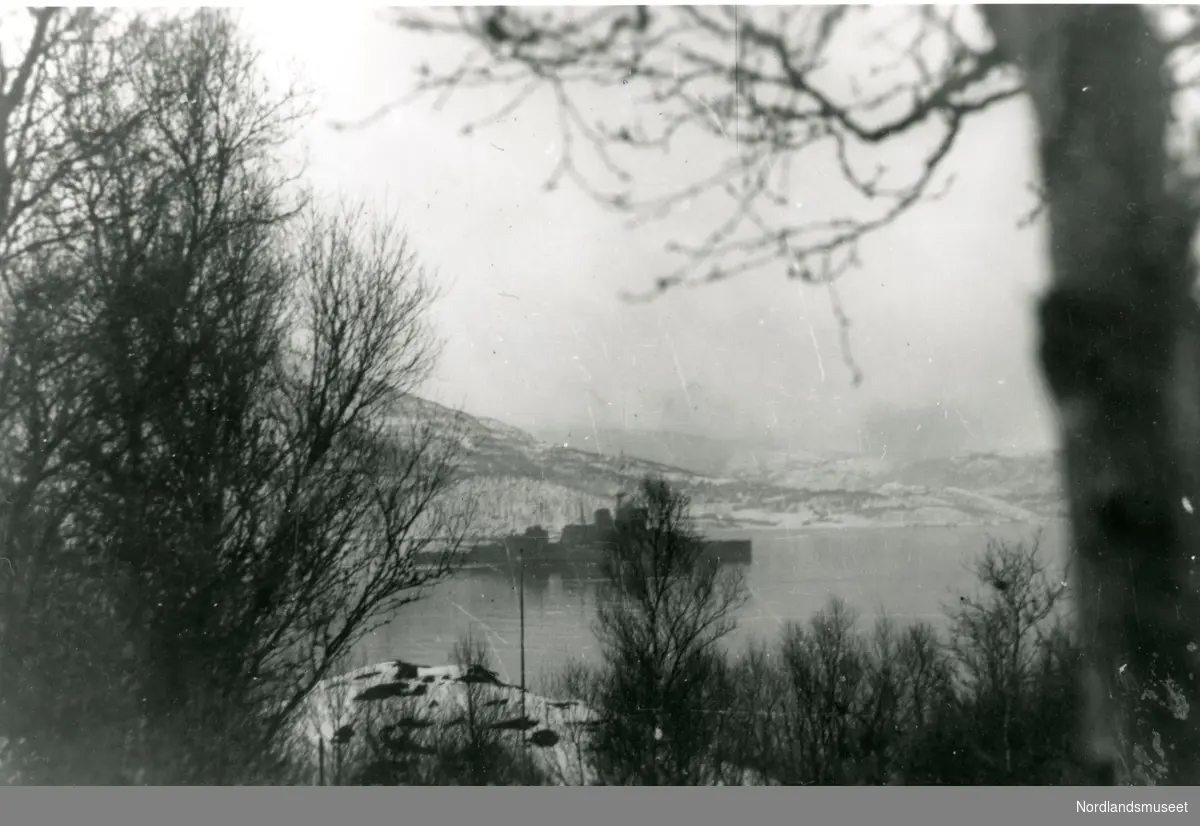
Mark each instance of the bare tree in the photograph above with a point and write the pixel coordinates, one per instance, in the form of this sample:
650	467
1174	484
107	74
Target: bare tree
65	63
54	65
828	704
998	637
1118	324
825	668
660	622
215	451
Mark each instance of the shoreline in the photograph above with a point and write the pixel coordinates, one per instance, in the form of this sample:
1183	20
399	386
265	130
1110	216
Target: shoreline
775	530
870	526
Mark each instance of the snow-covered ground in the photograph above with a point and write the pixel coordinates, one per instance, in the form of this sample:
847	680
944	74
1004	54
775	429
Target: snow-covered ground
341	707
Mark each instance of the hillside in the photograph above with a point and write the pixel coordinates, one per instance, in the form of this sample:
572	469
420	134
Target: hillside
521	480
688	451
1028	481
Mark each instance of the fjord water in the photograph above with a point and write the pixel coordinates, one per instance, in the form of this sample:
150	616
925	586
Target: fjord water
906	573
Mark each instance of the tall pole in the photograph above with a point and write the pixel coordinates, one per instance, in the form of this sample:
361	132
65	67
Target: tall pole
521	555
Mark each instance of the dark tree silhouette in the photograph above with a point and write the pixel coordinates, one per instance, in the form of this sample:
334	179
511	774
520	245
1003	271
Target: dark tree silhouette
660	620
214	480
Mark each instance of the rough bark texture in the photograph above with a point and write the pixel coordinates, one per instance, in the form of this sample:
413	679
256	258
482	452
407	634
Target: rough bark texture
1118	352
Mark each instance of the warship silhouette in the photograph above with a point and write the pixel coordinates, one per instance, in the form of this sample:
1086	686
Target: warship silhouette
589	542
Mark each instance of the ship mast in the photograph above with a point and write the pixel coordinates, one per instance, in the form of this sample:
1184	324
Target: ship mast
521	609
521	555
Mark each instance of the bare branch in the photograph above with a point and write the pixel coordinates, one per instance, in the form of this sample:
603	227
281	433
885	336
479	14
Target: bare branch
779	90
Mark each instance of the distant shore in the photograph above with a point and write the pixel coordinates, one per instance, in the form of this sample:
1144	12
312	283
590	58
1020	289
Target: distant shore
761	526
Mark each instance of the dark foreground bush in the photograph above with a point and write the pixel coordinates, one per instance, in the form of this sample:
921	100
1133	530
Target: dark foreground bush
991	704
664	681
828	705
1011	717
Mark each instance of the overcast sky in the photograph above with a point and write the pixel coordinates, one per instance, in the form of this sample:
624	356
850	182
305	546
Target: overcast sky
535	330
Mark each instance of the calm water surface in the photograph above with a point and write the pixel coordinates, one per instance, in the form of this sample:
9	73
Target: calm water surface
909	574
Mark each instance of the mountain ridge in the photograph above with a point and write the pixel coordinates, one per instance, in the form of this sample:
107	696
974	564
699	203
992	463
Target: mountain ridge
522	480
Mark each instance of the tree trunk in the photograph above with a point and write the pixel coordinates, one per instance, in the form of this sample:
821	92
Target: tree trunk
1118	352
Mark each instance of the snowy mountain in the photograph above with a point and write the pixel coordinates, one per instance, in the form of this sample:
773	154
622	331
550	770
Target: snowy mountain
521	480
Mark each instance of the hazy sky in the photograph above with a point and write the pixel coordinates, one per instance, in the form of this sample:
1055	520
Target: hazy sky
536	332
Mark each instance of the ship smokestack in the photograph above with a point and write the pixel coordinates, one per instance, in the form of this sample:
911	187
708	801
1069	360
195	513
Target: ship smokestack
603	520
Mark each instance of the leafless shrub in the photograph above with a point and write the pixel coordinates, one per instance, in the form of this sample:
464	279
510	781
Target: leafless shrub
666	610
